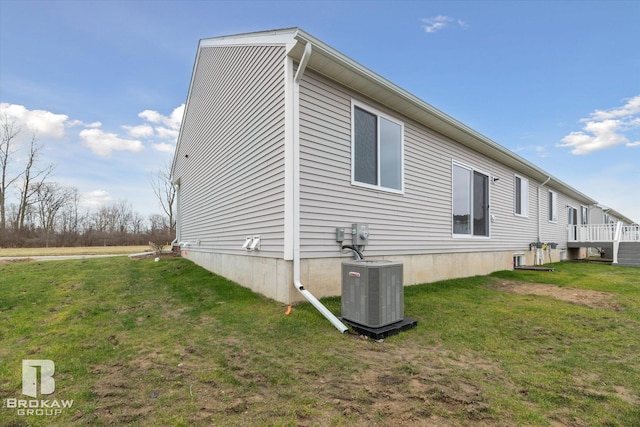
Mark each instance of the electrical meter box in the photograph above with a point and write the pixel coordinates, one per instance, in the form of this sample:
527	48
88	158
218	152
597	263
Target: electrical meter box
372	292
360	234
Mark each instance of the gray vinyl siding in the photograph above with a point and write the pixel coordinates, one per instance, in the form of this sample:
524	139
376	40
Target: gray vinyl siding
596	215
556	231
416	222
232	182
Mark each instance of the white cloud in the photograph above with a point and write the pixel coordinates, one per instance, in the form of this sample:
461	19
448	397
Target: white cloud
604	129
140	131
166	130
160	131
103	143
74	123
95	199
539	150
172	121
42	124
176	117
166	133
164	147
630	109
151	116
437	23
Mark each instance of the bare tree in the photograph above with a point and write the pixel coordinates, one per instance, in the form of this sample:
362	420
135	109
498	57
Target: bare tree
71	222
165	192
122	214
137	223
100	220
31	181
115	218
157	223
9	131
51	197
71	219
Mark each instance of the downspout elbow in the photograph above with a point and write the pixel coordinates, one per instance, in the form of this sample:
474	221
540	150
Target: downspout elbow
303	63
320	307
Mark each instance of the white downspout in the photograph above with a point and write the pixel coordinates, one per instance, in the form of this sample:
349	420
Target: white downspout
537	256
539	207
296	197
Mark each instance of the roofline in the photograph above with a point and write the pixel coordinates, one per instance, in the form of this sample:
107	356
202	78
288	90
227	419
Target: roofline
617	214
474	138
295	39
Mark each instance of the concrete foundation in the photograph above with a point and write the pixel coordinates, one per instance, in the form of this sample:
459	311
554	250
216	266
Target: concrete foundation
273	277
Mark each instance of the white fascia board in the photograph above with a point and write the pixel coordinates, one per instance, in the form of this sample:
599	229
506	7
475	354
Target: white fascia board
412	106
263	38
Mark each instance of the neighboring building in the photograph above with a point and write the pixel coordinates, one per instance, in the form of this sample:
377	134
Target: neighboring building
285	139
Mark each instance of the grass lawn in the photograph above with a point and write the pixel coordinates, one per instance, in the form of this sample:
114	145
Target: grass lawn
168	343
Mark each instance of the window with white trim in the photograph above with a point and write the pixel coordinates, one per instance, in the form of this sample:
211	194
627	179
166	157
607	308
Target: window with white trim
572	215
521	196
553	206
470	201
377	150
584	215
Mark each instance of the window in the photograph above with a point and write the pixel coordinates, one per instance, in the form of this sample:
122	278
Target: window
519	260
584	215
470	202
376	151
553	206
572	215
572	219
521	196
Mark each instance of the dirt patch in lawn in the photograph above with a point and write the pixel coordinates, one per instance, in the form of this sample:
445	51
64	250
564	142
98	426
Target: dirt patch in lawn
394	385
587	297
14	260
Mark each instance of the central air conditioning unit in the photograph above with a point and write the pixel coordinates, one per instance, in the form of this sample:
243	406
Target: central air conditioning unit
372	292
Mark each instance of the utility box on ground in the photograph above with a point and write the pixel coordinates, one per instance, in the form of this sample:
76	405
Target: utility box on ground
372	292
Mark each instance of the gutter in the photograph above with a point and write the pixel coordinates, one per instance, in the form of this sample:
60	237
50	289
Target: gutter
296	197
398	99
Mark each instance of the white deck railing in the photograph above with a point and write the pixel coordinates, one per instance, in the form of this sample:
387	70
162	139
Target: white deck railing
630	233
591	233
603	233
614	233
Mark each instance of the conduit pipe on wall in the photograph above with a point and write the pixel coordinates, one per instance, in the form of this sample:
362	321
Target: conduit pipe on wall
296	198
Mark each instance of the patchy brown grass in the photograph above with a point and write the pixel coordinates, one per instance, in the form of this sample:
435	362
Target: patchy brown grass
586	297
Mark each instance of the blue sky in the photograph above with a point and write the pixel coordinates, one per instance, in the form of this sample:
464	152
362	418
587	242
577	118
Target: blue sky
102	83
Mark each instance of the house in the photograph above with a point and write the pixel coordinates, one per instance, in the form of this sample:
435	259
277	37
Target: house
287	143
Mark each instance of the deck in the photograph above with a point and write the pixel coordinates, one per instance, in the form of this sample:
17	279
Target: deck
622	240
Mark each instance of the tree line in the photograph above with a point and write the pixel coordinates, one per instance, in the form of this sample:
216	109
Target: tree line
47	213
